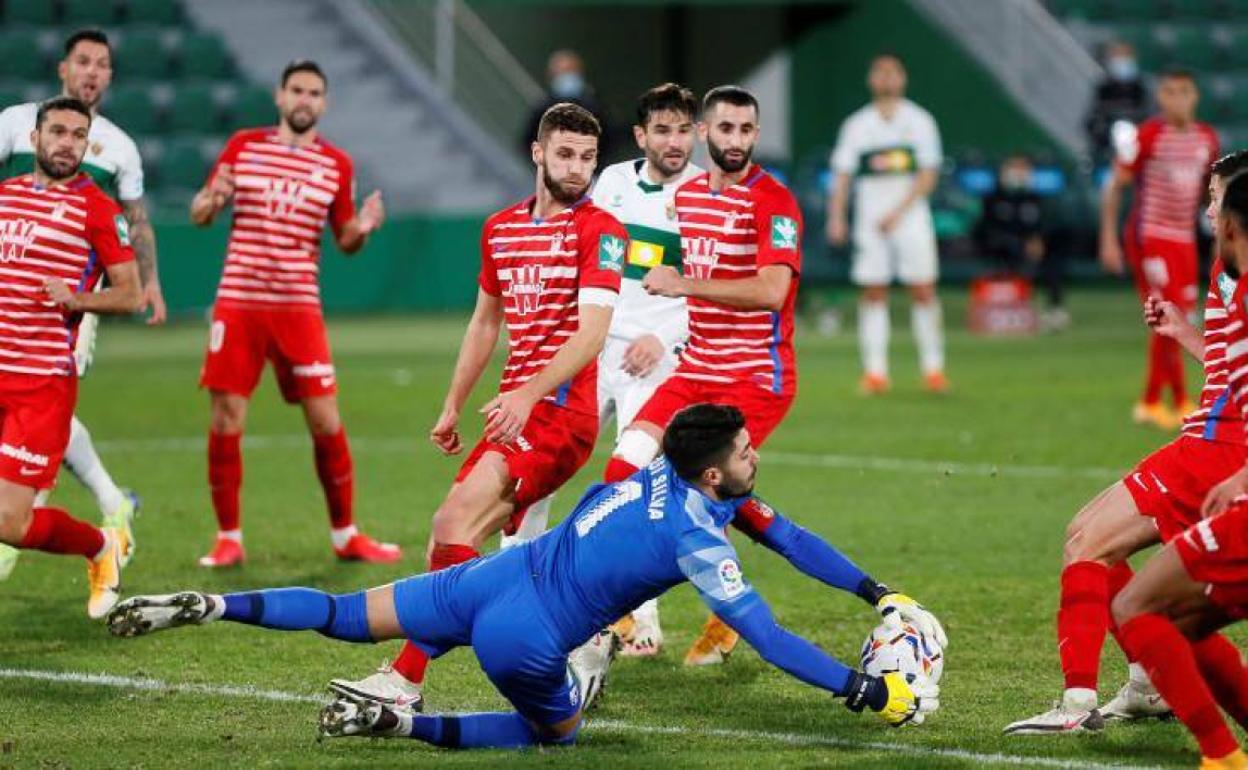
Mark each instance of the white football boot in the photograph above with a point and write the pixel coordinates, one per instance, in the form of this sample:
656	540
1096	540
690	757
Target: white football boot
384	686
1064	718
348	716
590	663
141	615
1137	700
646	635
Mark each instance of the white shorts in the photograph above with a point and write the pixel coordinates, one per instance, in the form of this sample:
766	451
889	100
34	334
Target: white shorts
907	254
620	394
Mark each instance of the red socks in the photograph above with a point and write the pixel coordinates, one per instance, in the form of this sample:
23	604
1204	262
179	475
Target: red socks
55	531
412	661
1119	575
225	478
1171	665
1165	367
1222	667
1082	622
334	469
618	470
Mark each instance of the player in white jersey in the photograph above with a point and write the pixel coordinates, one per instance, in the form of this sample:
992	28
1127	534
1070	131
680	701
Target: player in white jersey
646	331
113	162
889	152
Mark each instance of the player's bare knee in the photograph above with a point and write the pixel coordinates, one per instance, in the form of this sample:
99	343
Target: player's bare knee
229	413
875	294
1131	602
322	416
14	522
922	293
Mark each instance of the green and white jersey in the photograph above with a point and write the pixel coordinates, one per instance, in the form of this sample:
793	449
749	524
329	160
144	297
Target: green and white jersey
648	213
112	157
883	155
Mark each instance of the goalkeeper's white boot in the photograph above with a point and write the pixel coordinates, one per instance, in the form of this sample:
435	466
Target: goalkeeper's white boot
347	716
1137	700
589	665
385	686
8	560
645	638
141	615
1068	716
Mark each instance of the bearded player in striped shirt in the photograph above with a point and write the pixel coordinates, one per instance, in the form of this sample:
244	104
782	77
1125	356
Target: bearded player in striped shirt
58	234
1154	503
285	182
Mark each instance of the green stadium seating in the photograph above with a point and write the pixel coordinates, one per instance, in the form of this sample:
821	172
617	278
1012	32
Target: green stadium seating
1192	47
152	11
20	56
1193	10
182	164
252	107
204	56
40	12
1235	52
131	107
87	13
194	110
1235	107
141	53
1148	51
9	96
1092	10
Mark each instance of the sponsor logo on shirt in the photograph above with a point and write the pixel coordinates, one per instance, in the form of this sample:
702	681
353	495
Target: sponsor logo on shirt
123	229
610	253
527	286
730	578
644	254
700	256
16	235
282	197
783	233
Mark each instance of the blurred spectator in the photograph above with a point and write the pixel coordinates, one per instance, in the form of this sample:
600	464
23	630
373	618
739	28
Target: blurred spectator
1011	232
565	79
1120	96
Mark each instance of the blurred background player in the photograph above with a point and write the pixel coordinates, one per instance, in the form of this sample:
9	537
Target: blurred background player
523	609
1154	503
1120	96
566	81
1170	613
741	235
1166	159
550	271
59	233
113	162
889	151
285	182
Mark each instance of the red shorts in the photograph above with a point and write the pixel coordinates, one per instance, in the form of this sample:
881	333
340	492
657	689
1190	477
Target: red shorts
1166	269
553	446
240	341
763	409
36	411
1215	551
1170	484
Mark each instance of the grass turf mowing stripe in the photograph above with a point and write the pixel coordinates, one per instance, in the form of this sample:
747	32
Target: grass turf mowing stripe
606	725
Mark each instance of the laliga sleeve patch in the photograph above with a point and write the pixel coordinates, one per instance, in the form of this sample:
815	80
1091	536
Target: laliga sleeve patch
783	232
610	253
730	578
123	229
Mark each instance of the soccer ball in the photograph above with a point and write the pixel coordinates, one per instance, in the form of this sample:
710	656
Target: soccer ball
905	650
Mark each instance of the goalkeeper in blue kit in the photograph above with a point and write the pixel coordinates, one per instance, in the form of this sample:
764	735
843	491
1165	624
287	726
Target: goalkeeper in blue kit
524	609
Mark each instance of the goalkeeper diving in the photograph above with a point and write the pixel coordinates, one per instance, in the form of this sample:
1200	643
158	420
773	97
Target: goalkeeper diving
522	610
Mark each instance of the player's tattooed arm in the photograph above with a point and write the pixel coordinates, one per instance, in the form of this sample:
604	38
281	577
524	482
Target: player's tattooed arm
143	240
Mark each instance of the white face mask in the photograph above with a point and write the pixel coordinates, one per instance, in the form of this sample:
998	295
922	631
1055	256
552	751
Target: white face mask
1122	68
567	85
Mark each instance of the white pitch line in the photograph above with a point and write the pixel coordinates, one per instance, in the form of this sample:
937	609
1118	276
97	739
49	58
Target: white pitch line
797	459
608	725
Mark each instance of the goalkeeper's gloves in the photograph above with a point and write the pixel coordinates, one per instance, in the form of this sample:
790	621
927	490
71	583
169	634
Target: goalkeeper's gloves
898	699
897	608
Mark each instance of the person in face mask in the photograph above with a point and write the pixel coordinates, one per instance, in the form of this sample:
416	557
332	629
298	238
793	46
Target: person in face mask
566	82
1120	96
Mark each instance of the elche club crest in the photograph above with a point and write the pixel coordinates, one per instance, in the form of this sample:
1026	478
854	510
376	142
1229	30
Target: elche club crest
701	256
282	196
16	235
526	287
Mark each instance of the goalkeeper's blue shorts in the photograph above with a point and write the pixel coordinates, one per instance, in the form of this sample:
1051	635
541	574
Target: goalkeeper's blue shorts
492	605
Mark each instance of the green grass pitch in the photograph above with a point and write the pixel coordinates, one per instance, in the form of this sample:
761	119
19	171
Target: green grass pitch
961	501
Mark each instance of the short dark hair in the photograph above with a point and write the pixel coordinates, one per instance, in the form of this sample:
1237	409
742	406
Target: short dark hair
734	95
90	34
1230	165
61	103
1179	73
701	436
566	116
1235	200
668	97
304	65
887	54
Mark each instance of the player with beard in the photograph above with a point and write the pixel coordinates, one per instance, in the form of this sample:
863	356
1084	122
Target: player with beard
59	234
285	182
550	271
741	236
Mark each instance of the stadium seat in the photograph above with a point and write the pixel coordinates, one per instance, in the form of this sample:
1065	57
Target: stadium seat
131	107
1235	108
20	56
182	164
141	53
41	12
1092	10
1147	50
194	110
1192	10
152	11
204	56
86	13
1188	46
252	107
1235	51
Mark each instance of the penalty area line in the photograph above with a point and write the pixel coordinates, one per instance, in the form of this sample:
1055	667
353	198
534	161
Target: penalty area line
607	725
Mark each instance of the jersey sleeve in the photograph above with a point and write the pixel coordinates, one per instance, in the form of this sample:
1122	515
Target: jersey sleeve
1132	151
928	153
604	187
709	562
602	243
228	156
487	279
342	208
778	223
130	173
845	154
108	232
805	550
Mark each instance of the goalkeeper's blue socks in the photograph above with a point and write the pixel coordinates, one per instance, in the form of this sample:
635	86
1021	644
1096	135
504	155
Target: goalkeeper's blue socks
342	616
492	730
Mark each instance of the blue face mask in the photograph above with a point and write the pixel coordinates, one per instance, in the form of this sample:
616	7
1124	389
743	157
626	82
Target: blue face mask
1122	68
568	85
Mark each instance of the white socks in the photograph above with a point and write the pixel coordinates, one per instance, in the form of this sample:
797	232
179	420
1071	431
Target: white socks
873	331
339	535
231	534
85	464
648	611
1079	699
533	524
926	321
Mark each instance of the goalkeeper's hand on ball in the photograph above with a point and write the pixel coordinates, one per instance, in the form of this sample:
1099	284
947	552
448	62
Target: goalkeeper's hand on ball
898	608
908	702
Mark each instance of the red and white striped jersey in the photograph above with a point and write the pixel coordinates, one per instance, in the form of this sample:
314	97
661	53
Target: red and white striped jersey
1217	419
537	267
1171	166
728	235
71	232
282	198
1235	335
